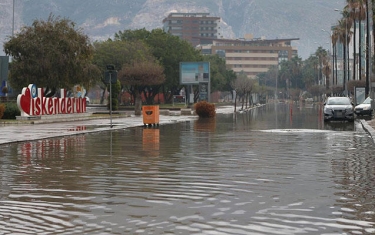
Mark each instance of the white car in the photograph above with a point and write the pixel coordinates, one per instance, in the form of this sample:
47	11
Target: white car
338	108
364	108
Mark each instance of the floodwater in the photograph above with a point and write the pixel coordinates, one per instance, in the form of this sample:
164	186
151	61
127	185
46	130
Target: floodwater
272	170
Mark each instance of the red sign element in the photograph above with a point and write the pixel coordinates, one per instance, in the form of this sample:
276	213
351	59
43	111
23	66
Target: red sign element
32	103
25	100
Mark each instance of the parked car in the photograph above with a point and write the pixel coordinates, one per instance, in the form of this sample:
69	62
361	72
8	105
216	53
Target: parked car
338	108
364	108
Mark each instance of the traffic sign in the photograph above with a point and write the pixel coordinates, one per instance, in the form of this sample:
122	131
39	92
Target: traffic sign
110	76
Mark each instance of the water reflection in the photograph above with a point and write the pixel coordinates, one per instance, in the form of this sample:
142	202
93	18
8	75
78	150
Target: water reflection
271	170
151	141
55	147
287	116
339	126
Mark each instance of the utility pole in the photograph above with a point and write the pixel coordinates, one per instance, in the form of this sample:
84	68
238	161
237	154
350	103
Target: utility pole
13	20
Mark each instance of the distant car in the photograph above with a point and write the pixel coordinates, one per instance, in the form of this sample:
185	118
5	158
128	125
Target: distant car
87	100
364	108
338	108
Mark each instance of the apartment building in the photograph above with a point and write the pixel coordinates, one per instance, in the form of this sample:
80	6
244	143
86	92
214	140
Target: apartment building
249	55
193	27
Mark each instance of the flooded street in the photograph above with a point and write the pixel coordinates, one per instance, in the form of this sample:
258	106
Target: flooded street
272	170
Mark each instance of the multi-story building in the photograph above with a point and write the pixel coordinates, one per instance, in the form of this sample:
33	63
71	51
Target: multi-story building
251	56
193	27
248	55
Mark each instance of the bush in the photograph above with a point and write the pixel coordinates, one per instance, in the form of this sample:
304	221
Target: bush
114	105
11	111
2	110
205	109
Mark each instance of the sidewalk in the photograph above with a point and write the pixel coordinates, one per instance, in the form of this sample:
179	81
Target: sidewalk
51	128
369	127
19	131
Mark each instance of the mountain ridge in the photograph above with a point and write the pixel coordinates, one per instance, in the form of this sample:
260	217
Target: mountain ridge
269	18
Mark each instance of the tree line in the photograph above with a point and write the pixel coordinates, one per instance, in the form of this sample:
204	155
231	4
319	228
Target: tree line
55	54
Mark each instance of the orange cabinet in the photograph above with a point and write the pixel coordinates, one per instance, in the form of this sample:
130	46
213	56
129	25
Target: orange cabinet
150	114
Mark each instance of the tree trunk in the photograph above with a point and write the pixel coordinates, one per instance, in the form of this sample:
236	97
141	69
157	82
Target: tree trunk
137	103
354	49
247	98
360	51
344	61
336	64
235	101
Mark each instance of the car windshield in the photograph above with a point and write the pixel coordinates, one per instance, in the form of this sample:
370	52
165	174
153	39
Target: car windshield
338	101
367	101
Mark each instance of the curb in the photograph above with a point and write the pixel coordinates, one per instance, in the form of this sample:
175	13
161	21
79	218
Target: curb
368	129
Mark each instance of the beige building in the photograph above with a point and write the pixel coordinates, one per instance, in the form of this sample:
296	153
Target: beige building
248	54
252	56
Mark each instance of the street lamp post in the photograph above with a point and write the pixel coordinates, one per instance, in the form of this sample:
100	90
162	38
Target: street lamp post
111	78
13	20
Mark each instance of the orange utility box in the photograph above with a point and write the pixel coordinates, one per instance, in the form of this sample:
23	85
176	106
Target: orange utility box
150	114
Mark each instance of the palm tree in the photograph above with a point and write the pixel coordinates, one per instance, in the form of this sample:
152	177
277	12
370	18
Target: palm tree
348	32
344	37
335	38
361	17
357	13
368	5
322	56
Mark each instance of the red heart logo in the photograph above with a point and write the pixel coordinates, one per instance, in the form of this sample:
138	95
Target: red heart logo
25	101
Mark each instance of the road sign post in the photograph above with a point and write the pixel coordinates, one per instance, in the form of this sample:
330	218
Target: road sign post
110	77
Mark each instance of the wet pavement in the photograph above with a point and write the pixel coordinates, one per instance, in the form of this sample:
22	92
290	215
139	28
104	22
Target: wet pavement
42	129
271	170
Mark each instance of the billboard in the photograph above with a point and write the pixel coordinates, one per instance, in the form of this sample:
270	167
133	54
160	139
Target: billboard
193	73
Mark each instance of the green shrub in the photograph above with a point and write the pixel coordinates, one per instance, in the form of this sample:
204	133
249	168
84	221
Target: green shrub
11	111
2	110
204	109
114	104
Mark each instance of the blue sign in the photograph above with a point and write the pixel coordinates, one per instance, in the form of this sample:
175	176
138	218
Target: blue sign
194	72
4	62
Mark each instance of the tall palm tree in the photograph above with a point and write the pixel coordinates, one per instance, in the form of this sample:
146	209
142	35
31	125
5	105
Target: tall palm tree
368	5
296	71
357	13
345	33
322	55
335	39
342	33
361	16
349	33
352	18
